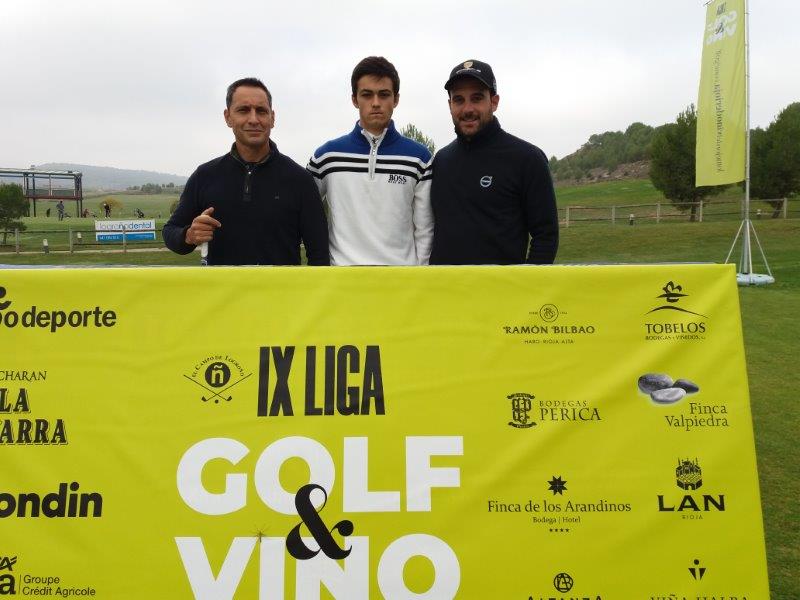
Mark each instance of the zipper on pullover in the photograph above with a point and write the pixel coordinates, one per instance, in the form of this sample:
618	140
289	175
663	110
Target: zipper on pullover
374	143
246	196
373	156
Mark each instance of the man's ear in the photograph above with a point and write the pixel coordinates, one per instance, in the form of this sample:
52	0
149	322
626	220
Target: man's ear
227	114
353	100
396	99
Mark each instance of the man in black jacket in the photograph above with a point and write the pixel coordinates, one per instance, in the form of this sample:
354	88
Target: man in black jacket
253	206
491	191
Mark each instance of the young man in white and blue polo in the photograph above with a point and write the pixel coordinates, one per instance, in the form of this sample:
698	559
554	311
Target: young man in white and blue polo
375	181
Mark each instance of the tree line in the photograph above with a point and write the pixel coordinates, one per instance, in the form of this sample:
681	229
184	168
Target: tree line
152	188
774	161
670	148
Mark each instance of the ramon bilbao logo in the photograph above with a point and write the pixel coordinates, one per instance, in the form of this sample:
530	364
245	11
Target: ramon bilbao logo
549	324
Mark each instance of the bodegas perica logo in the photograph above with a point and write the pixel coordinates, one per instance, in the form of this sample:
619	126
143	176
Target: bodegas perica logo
216	375
670	320
527	411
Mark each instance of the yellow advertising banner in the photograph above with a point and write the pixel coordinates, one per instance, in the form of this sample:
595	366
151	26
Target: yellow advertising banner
721	104
357	433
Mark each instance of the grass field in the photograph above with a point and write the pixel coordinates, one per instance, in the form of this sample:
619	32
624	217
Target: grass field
771	331
150	204
592	203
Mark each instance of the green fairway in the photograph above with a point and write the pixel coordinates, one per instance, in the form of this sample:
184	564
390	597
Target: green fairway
771	330
629	191
152	205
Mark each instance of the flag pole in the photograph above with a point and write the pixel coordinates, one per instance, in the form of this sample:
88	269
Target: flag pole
746	266
745	276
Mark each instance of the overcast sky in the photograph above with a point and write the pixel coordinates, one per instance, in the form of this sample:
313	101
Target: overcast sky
141	84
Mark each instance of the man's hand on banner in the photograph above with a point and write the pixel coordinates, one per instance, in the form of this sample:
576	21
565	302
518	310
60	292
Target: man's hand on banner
202	228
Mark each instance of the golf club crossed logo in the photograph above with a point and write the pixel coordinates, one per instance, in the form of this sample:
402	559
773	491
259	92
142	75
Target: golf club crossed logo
217	378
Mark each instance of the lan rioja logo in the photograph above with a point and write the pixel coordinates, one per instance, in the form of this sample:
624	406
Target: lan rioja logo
689	478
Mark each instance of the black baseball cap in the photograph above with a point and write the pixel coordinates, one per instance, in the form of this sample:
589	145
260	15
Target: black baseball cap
475	69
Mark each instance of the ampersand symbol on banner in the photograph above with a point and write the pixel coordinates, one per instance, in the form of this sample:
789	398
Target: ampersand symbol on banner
317	528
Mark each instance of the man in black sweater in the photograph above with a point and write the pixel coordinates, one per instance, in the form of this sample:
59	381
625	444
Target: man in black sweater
490	190
253	206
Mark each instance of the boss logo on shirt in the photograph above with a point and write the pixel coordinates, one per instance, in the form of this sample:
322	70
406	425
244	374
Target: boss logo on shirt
486	181
393	178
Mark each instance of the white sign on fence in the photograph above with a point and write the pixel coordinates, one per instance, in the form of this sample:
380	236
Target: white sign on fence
136	230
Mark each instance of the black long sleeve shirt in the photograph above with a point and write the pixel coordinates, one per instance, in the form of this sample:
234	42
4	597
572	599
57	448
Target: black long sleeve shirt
489	194
265	209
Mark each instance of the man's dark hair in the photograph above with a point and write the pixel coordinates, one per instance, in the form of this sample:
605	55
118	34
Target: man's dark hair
376	66
249	82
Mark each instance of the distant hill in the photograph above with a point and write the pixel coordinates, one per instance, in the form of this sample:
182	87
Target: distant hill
609	155
110	178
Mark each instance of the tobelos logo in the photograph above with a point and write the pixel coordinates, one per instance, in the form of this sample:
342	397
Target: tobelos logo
35	317
214	374
486	181
672	295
